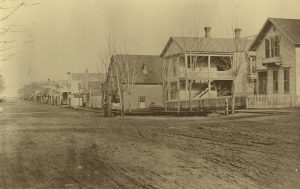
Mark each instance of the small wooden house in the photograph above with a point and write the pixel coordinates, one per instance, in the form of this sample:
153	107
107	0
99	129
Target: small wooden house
277	49
139	77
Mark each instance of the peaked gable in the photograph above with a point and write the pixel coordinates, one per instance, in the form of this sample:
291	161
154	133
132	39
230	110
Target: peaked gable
290	28
211	45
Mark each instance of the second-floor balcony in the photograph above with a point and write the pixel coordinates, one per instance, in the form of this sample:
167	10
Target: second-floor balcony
272	61
205	73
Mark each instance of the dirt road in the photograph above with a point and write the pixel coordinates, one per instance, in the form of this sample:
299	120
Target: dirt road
53	147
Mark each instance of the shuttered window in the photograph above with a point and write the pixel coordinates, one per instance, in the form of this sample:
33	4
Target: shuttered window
275	81
277	45
286	81
267	48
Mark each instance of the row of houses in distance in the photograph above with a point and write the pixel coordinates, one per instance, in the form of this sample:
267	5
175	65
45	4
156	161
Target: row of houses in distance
193	72
77	90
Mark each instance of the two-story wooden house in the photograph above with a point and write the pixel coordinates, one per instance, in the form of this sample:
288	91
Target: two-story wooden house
277	49
205	67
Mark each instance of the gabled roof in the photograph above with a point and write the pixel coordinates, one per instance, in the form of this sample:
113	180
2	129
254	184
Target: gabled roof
87	76
290	28
209	45
148	67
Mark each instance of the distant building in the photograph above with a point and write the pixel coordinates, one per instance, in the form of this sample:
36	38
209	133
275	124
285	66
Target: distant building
79	82
84	86
277	49
141	75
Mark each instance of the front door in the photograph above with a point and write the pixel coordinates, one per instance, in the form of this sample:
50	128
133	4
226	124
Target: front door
142	102
262	82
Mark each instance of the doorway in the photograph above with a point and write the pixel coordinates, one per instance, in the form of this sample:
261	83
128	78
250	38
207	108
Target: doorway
142	102
262	82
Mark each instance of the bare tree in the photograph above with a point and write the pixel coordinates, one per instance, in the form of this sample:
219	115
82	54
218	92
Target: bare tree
9	8
164	68
239	59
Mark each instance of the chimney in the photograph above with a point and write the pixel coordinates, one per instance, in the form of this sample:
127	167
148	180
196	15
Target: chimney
86	71
207	32
237	33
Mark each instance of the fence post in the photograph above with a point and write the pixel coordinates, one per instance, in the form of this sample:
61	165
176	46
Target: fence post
226	106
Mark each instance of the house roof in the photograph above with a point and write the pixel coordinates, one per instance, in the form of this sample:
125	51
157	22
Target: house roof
290	28
202	44
147	67
94	85
87	76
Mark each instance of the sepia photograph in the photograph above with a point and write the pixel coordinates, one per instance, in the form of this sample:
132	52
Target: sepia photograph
149	94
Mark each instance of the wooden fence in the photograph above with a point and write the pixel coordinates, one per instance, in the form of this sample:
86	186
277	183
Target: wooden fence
272	101
208	103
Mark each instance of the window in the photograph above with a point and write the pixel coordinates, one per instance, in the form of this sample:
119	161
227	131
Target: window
202	62
79	86
142	99
173	92
267	48
254	64
275	81
272	46
277	45
286	83
182	84
188	62
191	61
174	69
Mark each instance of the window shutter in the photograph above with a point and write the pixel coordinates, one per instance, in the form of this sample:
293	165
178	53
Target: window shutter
277	45
272	47
267	48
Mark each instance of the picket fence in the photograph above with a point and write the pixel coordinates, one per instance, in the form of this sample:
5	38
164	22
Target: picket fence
272	101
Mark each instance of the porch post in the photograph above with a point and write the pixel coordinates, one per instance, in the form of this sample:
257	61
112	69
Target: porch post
208	92
270	82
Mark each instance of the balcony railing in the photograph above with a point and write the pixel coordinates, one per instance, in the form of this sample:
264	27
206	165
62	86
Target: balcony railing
205	74
276	60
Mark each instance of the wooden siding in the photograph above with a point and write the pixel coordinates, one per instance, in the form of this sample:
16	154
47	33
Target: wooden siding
298	71
288	53
153	93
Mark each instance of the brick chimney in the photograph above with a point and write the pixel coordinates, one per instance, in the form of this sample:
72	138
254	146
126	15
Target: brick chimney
237	33
207	32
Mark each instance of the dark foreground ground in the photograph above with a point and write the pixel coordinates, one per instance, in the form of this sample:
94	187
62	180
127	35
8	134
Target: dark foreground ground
53	147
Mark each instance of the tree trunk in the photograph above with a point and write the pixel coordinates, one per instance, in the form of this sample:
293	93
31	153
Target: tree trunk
178	104
165	100
233	97
190	95
122	104
120	94
129	101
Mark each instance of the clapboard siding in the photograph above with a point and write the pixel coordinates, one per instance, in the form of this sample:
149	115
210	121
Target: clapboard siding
298	71
288	53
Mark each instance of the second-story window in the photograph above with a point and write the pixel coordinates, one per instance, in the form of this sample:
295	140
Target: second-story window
277	45
191	61
267	48
272	47
275	81
174	68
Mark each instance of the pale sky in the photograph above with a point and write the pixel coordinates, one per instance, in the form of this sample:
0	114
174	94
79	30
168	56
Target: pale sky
65	35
